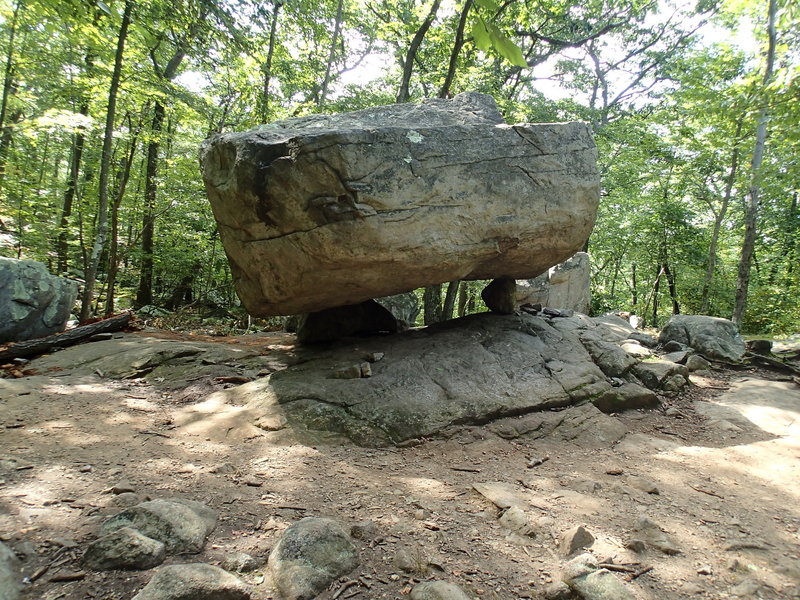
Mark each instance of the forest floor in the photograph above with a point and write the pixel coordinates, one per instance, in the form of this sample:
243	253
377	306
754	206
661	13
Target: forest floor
724	457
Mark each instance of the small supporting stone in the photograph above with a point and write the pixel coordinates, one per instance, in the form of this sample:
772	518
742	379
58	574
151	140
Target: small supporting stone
501	296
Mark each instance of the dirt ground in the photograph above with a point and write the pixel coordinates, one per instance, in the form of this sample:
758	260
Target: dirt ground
724	457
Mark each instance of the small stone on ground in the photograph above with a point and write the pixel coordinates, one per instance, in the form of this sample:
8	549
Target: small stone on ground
196	581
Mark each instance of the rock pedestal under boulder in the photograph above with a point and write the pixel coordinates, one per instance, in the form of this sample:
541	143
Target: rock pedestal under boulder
474	369
564	286
328	211
33	303
712	337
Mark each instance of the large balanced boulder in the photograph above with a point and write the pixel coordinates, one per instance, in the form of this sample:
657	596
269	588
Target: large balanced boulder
327	211
712	337
33	303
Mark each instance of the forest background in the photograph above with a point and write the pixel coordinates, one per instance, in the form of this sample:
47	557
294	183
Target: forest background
695	109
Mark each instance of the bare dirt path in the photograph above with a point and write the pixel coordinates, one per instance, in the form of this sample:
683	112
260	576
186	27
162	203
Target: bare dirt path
724	459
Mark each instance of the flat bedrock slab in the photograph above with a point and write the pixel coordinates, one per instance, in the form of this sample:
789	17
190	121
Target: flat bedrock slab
471	370
322	211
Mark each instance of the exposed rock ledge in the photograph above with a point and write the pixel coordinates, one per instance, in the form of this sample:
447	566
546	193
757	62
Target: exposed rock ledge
467	371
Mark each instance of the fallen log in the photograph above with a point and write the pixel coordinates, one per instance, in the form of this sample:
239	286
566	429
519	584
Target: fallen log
771	363
30	348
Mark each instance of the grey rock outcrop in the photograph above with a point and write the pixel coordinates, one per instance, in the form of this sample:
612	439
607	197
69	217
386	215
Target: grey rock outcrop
181	525
10	576
697	363
310	555
328	211
662	375
469	370
509	369
33	303
197	581
711	336
564	286
124	548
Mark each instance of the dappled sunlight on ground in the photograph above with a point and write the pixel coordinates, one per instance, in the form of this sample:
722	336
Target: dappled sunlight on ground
69	439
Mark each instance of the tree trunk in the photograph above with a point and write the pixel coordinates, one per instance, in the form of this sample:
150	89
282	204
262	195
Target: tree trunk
751	212
719	218
144	292
264	112
323	91
450	300
673	293
403	94
791	237
444	92
113	253
634	292
432	304
463	298
9	89
76	155
656	287
105	166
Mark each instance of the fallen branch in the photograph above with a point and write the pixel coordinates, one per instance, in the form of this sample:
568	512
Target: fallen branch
617	568
148	432
639	573
705	491
343	589
38	346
